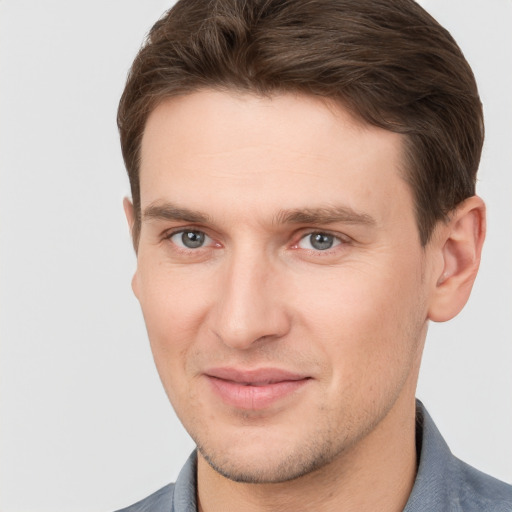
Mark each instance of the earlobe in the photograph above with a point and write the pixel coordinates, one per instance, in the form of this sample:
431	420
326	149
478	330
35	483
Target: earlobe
135	285
461	245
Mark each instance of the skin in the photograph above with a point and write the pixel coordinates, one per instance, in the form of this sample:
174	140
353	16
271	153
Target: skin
257	176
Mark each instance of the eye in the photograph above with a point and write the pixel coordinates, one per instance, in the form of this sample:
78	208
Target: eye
319	241
190	239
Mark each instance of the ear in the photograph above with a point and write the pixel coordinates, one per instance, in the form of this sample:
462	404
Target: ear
130	217
460	243
129	213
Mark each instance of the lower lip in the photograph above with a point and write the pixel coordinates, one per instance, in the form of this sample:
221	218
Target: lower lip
254	397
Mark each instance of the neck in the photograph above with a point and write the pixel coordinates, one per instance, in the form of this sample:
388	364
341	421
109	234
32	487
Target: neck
376	474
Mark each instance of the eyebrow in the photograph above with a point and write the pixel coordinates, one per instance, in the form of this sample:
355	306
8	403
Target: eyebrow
324	215
168	211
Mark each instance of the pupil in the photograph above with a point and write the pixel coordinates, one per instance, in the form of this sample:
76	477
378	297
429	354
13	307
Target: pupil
192	239
321	241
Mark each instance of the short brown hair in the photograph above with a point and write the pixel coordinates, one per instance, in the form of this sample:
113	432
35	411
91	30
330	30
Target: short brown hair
388	61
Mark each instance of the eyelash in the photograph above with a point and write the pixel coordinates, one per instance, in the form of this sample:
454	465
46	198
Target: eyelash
168	236
340	240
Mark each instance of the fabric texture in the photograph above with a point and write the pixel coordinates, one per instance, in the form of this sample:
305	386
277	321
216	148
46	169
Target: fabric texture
443	483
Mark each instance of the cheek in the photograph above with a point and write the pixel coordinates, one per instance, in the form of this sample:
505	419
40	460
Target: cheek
174	305
367	323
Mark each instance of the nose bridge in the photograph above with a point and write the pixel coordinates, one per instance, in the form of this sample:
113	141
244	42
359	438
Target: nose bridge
249	308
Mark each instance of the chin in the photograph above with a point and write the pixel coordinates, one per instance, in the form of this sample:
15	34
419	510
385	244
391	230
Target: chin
268	471
268	460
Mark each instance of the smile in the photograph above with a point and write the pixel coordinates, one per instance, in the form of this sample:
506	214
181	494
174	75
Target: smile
254	389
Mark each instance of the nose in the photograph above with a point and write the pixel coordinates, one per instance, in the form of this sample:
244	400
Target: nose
251	306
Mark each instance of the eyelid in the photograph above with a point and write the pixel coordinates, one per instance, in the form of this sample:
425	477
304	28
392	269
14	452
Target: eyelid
311	231
308	240
180	229
342	238
167	235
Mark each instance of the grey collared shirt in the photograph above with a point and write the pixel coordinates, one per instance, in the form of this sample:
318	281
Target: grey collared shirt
443	483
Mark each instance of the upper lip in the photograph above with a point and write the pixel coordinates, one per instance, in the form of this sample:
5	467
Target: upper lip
259	376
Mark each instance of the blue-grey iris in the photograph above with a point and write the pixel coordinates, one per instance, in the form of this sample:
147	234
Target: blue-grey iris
192	239
321	241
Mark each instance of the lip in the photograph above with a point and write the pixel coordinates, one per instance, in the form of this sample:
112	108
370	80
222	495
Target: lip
254	389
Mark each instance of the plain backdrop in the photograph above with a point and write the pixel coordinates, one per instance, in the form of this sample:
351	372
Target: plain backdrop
84	423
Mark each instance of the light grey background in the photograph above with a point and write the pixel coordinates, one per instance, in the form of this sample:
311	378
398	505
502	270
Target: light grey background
84	423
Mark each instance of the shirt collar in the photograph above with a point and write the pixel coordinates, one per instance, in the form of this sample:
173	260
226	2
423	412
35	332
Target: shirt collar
185	488
435	461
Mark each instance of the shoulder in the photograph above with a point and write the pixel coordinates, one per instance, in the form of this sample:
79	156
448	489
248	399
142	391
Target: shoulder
446	484
159	501
178	496
478	491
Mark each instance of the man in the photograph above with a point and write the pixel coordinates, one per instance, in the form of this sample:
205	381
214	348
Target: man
303	185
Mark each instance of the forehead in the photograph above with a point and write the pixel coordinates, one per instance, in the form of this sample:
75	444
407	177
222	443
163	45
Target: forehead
220	151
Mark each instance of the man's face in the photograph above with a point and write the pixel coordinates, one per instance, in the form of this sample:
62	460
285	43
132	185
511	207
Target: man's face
281	278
